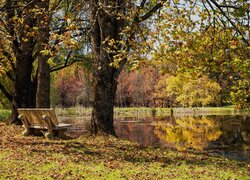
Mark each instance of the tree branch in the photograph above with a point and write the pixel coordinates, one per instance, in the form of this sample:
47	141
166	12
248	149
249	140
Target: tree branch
215	13
10	76
3	104
142	3
150	12
5	92
57	68
229	20
232	7
67	59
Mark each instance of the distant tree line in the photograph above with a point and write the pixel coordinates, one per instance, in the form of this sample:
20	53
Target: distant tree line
144	88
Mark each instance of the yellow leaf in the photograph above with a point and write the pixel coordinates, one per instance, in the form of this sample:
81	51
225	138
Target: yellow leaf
45	52
25	39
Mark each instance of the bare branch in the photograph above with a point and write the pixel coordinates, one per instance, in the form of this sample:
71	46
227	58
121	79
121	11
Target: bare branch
150	12
232	7
57	68
67	63
142	3
10	76
67	59
5	92
229	20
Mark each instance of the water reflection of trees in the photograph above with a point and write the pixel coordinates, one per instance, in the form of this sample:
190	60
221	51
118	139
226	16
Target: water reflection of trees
220	133
191	132
245	133
236	132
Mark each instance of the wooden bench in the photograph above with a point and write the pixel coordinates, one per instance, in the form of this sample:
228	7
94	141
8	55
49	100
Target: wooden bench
39	121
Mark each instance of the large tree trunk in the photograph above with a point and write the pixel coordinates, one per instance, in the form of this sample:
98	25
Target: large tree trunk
104	26
43	84
104	97
23	48
24	86
43	78
24	92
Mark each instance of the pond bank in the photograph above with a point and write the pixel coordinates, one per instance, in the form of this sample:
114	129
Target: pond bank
140	111
148	111
105	158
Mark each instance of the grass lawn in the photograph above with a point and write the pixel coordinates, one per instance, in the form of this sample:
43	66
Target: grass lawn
4	114
105	158
147	111
140	111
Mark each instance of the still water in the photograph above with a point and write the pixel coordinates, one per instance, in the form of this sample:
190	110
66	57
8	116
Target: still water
227	135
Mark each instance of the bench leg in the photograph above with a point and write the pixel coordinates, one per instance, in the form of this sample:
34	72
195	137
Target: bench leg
24	120
48	134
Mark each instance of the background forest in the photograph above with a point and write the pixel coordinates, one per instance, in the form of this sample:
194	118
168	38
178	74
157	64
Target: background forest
103	54
146	87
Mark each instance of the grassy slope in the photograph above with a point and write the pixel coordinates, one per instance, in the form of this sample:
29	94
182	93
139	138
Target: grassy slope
105	158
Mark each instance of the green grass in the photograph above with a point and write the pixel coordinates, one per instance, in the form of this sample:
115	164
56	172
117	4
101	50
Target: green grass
4	114
75	111
105	158
119	112
207	110
146	111
141	111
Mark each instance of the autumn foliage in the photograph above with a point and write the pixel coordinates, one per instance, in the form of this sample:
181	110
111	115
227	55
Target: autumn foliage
142	88
71	87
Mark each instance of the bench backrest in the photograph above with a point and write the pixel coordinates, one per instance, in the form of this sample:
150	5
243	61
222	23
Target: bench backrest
34	115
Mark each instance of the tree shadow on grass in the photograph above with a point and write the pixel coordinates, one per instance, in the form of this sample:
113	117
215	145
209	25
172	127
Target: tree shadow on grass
98	149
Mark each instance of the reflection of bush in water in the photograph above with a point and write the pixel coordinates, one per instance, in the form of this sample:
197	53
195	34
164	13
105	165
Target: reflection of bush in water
190	132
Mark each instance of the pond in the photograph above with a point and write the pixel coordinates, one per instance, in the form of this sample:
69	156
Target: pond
227	135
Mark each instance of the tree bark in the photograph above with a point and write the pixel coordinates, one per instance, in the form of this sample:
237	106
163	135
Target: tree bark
108	20
24	92
23	88
43	78
104	97
24	83
104	25
43	84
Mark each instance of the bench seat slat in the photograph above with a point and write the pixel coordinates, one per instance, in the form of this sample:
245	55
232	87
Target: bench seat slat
59	126
62	126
